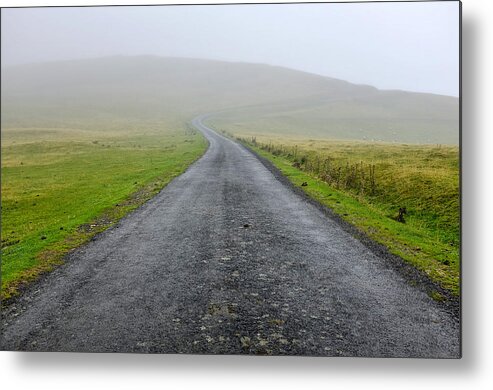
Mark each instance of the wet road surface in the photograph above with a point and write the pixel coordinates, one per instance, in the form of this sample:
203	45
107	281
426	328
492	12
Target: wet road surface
227	259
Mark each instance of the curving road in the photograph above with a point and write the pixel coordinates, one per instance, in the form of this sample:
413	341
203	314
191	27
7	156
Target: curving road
227	259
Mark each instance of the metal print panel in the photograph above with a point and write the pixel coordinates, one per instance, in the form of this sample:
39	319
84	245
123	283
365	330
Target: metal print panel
262	179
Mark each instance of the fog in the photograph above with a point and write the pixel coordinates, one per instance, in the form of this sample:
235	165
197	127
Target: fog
408	46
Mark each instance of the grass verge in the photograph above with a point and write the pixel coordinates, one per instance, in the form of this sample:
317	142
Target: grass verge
429	237
58	193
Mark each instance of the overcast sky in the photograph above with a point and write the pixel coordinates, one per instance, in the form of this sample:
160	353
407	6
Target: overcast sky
409	46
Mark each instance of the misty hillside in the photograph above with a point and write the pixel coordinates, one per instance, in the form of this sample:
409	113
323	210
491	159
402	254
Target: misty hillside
389	116
252	97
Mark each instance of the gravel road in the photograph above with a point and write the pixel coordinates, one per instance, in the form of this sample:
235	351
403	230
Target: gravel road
229	260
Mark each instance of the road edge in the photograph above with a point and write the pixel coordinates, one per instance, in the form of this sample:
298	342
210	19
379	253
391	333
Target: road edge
410	274
8	305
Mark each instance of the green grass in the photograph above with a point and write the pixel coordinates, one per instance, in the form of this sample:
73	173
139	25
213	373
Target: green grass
422	178
61	186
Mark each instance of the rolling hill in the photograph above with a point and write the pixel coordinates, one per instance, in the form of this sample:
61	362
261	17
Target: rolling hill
250	98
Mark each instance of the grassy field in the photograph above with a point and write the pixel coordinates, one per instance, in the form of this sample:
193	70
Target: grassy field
368	183
62	186
388	116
